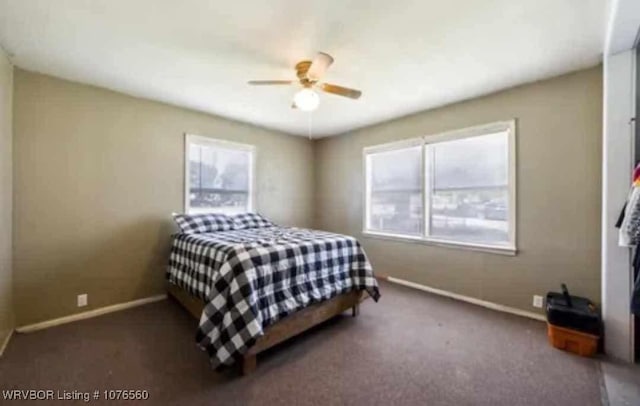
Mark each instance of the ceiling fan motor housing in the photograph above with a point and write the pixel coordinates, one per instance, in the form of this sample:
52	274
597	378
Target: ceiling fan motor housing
302	68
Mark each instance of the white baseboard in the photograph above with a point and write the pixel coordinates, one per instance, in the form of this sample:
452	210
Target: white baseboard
483	303
89	314
5	343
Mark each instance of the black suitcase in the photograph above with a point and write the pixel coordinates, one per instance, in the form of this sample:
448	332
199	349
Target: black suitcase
573	312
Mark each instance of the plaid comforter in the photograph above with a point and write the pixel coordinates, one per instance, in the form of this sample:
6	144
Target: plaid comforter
251	278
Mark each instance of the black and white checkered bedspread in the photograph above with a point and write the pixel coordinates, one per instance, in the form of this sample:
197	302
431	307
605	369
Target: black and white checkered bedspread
251	278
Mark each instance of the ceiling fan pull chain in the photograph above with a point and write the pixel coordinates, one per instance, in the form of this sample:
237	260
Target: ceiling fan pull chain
309	125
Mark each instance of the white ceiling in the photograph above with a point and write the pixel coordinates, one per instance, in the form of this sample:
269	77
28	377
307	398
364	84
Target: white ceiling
405	55
622	28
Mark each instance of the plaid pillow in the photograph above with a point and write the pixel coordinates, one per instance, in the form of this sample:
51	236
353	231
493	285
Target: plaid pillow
250	220
203	223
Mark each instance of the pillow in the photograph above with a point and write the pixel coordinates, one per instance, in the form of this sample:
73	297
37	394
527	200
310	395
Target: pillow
203	223
250	220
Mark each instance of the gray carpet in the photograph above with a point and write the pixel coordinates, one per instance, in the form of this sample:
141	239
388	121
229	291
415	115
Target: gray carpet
410	348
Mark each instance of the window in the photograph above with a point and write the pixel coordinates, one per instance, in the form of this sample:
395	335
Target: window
219	176
456	188
395	191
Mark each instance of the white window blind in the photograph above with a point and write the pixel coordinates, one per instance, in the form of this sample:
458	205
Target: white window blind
395	196
219	176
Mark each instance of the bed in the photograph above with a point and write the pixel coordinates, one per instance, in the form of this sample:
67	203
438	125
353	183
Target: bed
254	287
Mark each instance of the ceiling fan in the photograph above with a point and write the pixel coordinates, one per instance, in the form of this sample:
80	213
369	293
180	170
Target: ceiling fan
309	73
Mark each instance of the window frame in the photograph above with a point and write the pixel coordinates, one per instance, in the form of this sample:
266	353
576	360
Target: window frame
510	248
190	139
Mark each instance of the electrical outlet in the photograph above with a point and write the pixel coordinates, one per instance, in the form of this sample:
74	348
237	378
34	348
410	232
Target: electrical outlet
82	300
537	301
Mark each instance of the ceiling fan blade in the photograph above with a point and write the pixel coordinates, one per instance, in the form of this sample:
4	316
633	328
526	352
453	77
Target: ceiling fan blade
270	82
319	66
341	91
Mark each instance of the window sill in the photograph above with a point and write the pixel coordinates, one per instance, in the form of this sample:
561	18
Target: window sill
492	249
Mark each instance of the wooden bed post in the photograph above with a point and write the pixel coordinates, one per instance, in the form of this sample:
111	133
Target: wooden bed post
355	310
248	364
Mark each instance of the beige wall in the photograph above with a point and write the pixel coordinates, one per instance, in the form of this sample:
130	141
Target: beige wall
96	176
559	128
97	173
6	284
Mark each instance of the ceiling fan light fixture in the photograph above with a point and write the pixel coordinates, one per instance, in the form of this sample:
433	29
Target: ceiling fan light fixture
306	100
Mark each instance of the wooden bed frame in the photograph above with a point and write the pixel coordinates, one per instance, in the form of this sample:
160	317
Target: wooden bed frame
284	329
